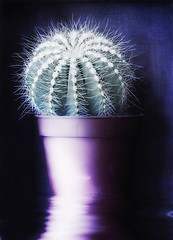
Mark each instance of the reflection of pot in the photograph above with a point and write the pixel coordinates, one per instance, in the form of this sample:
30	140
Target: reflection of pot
88	156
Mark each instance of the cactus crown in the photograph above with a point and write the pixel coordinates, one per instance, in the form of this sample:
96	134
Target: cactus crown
77	71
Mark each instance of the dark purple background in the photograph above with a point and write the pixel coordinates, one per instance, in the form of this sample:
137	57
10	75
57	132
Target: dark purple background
150	27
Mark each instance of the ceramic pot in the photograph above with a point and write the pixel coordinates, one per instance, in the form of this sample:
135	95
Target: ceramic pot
89	157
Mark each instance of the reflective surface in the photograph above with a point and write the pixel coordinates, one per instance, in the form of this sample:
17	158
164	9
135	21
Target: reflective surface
53	218
69	219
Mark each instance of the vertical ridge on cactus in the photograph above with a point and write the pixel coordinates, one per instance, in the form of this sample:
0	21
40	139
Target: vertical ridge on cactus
77	71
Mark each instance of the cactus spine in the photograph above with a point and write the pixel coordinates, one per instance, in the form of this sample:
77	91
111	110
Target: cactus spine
77	71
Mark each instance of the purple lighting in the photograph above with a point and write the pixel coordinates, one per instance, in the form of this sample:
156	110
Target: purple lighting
170	214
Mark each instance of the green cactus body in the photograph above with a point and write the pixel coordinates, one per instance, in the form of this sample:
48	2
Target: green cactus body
77	72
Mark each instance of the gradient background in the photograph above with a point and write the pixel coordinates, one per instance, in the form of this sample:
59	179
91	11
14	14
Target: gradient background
150	27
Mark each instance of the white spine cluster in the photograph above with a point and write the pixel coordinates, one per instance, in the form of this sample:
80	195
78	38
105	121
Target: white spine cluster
77	71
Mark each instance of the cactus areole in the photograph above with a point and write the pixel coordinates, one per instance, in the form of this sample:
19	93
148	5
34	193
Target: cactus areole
77	71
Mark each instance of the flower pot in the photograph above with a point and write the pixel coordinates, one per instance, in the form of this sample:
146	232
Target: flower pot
88	157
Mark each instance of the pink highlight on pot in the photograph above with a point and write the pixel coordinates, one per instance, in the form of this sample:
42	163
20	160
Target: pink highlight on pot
68	168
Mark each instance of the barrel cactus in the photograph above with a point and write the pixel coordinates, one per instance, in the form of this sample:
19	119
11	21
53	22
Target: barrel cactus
77	71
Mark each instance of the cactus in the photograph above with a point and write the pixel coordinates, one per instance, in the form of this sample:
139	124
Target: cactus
77	71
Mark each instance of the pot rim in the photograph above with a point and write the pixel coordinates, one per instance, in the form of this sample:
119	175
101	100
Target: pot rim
140	115
89	127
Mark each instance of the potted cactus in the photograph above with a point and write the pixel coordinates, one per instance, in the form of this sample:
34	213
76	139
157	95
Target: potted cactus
77	81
